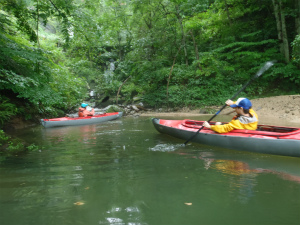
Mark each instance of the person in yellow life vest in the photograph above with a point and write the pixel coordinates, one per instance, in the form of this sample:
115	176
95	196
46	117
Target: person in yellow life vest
83	112
246	117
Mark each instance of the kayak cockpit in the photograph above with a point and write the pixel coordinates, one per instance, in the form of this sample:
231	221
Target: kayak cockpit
261	129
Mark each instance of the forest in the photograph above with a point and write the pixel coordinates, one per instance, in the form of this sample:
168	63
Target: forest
169	53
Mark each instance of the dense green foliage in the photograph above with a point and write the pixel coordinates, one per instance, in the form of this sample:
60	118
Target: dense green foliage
33	78
171	53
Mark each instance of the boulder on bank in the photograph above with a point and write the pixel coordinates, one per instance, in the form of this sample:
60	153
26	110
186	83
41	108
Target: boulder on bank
112	108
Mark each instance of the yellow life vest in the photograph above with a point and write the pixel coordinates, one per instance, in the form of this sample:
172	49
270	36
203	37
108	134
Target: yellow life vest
238	122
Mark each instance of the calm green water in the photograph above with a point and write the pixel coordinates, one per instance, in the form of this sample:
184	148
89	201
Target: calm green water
125	172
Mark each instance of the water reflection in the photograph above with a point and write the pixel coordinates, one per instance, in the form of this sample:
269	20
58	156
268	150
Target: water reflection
243	171
285	167
243	174
124	172
84	134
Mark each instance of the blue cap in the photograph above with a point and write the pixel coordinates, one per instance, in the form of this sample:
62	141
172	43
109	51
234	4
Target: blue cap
242	102
83	105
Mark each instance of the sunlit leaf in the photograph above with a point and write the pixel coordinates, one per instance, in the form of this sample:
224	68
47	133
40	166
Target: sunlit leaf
78	203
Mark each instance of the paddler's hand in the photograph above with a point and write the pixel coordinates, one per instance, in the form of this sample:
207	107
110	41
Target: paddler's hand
229	102
206	124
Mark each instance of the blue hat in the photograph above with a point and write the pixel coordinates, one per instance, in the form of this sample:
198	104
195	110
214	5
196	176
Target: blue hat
242	102
83	105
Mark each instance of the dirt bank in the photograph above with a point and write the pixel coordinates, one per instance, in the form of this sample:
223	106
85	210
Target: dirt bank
280	110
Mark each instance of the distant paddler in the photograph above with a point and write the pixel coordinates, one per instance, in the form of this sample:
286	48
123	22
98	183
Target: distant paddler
83	112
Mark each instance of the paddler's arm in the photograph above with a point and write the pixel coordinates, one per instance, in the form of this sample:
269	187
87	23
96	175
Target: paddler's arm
222	128
219	128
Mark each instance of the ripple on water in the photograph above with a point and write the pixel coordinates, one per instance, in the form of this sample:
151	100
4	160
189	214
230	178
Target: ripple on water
165	148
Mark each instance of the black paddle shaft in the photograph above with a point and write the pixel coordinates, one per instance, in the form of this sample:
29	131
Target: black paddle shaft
258	74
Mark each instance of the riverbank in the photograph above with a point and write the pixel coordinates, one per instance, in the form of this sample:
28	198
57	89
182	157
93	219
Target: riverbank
278	110
284	110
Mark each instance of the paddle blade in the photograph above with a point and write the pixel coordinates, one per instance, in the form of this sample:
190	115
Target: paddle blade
265	68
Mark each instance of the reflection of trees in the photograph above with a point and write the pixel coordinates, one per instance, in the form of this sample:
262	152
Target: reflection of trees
95	165
104	165
124	208
59	176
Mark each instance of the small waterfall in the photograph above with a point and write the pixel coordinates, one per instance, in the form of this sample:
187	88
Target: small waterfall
92	94
112	66
109	73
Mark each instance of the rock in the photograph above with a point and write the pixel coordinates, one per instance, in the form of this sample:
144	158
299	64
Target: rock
137	99
140	107
113	108
135	108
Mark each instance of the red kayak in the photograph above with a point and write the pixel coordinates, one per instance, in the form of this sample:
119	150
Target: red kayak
69	121
266	139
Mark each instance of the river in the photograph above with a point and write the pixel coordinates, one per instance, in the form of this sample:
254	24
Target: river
125	172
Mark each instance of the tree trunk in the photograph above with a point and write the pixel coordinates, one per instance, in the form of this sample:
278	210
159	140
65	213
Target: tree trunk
227	11
281	29
148	22
286	49
195	45
182	36
120	47
297	19
37	34
196	49
278	24
174	60
296	47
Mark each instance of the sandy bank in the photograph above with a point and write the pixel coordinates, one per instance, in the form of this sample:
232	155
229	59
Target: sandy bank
278	110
